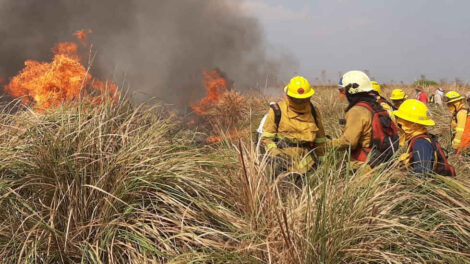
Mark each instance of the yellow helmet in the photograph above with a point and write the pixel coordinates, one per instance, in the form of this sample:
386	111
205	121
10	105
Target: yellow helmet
299	87
376	87
398	94
453	96
414	111
356	82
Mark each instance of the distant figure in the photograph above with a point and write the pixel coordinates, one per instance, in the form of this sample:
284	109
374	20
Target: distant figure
439	96
421	95
460	126
398	97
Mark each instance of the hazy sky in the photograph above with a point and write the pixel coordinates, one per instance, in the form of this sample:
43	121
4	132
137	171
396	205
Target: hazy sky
394	39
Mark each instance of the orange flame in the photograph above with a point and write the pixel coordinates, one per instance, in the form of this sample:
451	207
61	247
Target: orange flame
234	134
49	84
217	88
82	35
215	85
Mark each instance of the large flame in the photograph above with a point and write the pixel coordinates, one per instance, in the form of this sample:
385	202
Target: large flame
215	85
218	109
49	84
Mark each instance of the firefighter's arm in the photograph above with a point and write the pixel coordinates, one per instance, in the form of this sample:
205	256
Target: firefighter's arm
320	140
459	129
352	131
269	132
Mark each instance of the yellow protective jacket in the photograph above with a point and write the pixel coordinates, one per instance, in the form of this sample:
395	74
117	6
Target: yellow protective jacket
389	109
459	120
296	135
357	131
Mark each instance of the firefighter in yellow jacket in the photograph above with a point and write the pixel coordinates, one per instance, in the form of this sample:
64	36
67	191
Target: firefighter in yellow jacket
357	132
369	132
292	130
398	97
460	128
423	154
389	107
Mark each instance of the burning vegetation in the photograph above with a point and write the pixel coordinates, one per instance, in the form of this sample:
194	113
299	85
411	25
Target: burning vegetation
222	110
49	84
216	86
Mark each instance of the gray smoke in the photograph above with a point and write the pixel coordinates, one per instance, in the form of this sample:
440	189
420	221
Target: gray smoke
159	48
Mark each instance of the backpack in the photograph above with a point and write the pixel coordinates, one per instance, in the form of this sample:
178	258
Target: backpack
384	139
442	166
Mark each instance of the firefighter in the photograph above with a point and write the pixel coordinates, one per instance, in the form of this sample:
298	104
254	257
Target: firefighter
357	134
439	96
382	101
421	95
398	97
459	127
293	132
424	154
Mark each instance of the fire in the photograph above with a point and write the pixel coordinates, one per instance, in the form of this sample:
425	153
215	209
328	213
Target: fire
215	85
234	134
220	110
82	35
49	84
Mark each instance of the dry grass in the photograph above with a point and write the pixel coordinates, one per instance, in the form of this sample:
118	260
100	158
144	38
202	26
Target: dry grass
107	184
336	216
121	184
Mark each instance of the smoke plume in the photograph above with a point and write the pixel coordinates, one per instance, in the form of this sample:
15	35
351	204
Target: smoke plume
157	48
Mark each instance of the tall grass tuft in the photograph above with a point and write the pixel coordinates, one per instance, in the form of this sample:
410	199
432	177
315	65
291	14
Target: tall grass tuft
109	183
115	183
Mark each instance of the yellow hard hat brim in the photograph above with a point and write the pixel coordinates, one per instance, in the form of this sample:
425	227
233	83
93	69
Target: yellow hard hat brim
397	98
299	96
428	122
455	99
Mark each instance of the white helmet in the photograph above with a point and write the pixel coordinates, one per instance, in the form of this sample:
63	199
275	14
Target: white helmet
356	82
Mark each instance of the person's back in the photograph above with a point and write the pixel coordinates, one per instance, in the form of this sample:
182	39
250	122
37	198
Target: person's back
439	96
365	122
424	154
422	96
421	154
